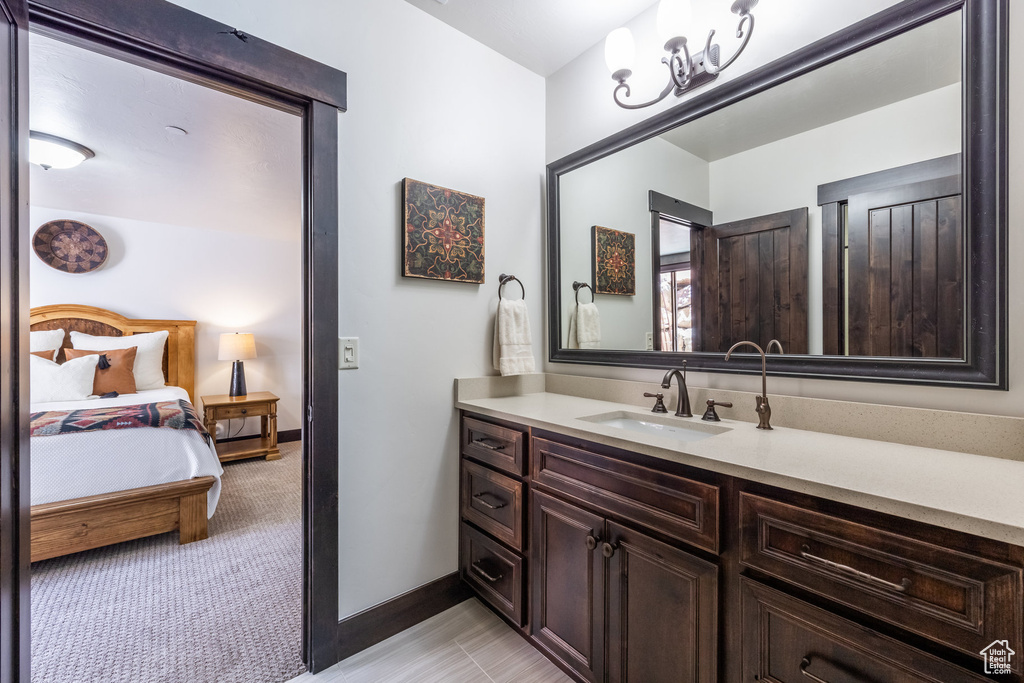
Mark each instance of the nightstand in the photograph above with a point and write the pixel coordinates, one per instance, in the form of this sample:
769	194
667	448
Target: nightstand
262	404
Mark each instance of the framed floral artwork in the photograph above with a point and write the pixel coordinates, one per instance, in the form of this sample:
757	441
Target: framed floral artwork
443	233
614	262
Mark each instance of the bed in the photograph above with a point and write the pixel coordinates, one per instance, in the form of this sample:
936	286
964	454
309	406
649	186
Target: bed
103	487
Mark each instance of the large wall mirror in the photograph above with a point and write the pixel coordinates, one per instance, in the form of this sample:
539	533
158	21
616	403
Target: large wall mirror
847	200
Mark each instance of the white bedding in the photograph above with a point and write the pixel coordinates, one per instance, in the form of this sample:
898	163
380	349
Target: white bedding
70	466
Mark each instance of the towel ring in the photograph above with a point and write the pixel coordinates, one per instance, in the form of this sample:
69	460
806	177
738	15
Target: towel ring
577	286
505	279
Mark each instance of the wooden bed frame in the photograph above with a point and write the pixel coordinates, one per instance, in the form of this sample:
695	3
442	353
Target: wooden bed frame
70	526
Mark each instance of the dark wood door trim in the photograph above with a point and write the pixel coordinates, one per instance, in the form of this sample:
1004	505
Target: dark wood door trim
15	576
163	36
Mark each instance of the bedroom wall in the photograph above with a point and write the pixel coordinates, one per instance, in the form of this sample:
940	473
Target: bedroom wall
166	271
580	112
429	103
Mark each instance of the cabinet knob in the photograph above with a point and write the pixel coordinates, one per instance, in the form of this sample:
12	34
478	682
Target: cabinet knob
608	550
244	411
591	542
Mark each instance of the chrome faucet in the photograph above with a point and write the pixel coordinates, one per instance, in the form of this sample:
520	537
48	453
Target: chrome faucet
764	411
683	404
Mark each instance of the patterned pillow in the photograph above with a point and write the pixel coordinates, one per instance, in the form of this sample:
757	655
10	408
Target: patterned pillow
46	340
116	376
71	381
149	361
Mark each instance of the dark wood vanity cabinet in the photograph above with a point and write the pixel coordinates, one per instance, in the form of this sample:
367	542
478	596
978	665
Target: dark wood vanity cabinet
629	569
615	604
493	513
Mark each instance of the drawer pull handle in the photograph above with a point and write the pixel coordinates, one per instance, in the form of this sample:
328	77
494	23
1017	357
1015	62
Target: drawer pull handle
806	662
490	444
608	550
492	506
900	587
244	411
591	542
486	575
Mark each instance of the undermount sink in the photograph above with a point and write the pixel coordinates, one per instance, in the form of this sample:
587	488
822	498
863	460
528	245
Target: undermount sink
677	428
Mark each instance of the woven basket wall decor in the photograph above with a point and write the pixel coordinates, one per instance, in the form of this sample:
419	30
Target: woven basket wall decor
70	246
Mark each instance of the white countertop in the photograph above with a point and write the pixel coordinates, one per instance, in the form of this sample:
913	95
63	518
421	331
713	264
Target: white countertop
970	493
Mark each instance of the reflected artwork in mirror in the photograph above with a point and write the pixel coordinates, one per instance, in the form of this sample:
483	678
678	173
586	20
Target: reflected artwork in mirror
847	200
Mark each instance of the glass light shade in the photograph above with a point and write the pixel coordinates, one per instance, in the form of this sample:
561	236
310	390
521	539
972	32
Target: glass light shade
675	18
619	49
236	346
50	151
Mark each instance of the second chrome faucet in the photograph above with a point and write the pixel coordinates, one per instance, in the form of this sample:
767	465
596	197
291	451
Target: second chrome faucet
683	404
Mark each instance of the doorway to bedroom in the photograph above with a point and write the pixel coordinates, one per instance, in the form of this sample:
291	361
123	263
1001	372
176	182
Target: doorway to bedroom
186	216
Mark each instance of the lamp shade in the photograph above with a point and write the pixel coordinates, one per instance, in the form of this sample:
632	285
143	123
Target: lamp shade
619	49
237	346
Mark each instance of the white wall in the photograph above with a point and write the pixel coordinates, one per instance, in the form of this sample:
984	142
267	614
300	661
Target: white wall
580	112
916	129
226	282
428	103
613	193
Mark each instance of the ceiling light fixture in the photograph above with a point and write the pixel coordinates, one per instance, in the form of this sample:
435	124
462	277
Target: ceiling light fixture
685	71
50	151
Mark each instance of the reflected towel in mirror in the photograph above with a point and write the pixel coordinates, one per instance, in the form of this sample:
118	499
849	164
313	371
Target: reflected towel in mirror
513	347
585	327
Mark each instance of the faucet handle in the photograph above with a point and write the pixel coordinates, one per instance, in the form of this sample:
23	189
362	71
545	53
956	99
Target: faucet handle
710	415
659	405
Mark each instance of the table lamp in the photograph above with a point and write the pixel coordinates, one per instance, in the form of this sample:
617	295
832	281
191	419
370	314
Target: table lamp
235	346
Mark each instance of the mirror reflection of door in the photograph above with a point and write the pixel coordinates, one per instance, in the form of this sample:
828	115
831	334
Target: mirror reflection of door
755	282
893	262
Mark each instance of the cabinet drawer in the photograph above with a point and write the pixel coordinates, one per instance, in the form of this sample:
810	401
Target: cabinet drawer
232	412
786	640
493	502
960	600
495	573
677	507
497	446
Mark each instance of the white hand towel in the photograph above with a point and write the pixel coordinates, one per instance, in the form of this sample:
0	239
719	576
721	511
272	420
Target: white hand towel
513	348
585	327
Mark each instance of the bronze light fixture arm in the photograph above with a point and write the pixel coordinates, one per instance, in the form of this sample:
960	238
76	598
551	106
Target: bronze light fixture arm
745	18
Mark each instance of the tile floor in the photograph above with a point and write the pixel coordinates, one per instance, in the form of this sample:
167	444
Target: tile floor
466	644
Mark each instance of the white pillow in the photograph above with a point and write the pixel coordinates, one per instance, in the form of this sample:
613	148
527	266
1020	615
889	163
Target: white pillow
71	381
149	359
46	340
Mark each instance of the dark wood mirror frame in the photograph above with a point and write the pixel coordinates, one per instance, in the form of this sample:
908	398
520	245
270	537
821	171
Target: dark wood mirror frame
985	41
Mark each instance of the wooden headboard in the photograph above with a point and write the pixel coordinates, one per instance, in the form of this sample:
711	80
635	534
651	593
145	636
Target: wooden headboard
179	354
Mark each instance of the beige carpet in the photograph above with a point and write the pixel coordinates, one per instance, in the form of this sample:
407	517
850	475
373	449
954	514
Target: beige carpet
223	610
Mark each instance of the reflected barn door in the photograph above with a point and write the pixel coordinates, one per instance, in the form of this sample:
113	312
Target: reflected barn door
754	284
14	393
905	271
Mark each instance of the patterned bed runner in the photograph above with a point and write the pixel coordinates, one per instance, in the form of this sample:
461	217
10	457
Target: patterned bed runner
178	414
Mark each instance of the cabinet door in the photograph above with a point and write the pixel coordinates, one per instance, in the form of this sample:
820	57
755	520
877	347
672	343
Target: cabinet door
567	584
662	611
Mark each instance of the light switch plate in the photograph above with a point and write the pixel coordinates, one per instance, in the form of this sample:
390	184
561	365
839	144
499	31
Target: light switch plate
348	353
649	341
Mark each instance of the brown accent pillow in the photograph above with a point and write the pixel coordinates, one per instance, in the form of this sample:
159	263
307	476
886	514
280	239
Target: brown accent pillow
118	376
46	355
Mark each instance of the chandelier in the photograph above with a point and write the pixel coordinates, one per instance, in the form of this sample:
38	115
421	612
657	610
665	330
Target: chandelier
686	71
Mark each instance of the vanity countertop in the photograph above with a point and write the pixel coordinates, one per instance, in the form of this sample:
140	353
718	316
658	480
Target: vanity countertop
973	494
